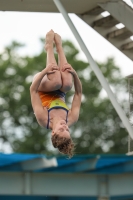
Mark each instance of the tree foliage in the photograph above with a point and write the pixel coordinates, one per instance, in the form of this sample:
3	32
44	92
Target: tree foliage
99	129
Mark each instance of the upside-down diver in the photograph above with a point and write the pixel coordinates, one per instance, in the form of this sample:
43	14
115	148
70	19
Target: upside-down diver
48	91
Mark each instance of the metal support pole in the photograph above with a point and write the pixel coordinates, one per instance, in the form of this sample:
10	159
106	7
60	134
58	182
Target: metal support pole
96	69
27	183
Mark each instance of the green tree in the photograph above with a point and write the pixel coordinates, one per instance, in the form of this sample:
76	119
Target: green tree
99	128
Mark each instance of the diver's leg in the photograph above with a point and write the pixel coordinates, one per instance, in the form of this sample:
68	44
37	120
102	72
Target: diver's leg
50	82
67	79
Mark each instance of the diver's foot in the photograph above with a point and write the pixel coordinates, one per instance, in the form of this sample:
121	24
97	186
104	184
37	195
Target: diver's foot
58	42
49	40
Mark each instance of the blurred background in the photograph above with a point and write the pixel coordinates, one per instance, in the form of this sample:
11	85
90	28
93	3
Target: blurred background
22	55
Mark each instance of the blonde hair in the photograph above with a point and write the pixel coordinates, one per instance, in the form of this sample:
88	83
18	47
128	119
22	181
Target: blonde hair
64	145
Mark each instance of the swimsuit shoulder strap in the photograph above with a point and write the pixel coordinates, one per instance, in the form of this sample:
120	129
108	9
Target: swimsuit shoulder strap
67	116
48	120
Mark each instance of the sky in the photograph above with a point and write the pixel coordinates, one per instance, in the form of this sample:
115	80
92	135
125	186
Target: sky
27	28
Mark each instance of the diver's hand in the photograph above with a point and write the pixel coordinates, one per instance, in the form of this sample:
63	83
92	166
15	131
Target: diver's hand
69	68
51	68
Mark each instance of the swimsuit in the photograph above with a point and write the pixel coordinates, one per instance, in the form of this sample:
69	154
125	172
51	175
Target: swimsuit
53	100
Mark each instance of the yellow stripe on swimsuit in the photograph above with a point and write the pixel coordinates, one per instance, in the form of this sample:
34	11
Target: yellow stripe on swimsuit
58	103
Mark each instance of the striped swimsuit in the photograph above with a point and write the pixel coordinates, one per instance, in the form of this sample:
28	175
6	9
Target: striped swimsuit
53	100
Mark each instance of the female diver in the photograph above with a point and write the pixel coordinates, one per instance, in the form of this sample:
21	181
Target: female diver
48	91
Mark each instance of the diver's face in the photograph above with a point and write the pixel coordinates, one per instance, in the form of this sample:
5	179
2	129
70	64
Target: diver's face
62	129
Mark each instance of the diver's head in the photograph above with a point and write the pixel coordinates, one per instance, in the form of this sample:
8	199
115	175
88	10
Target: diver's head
61	138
